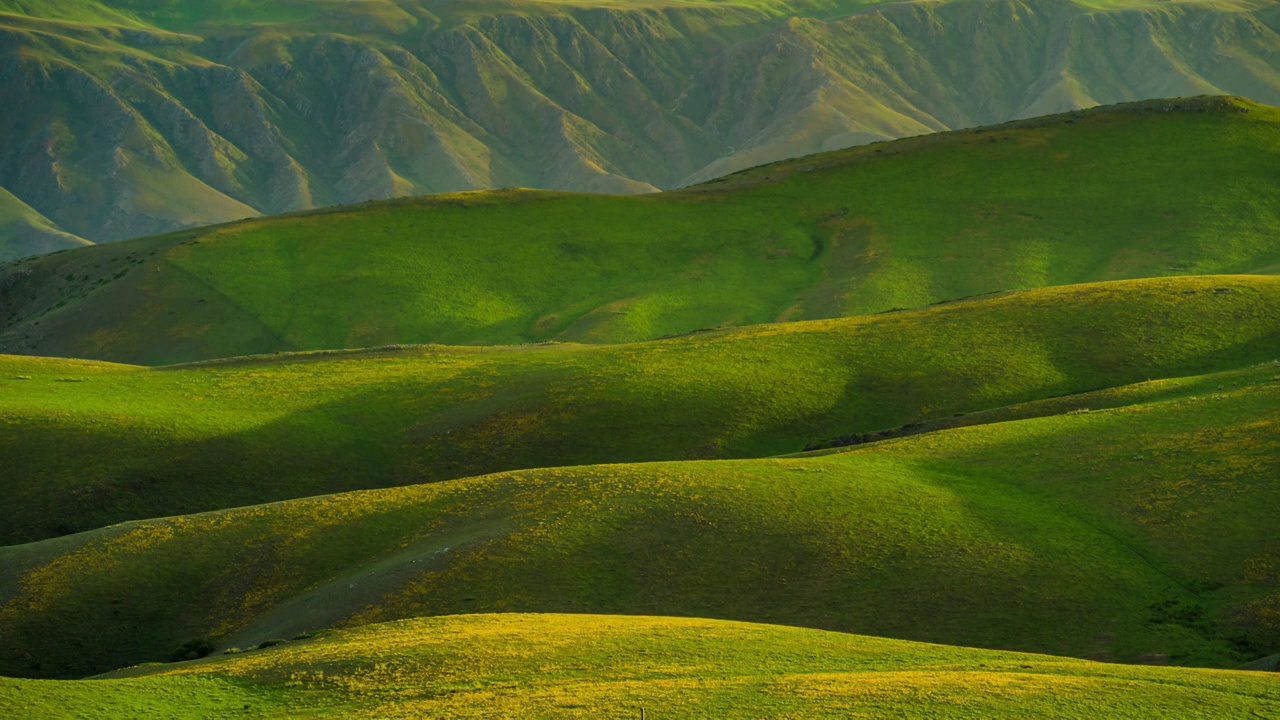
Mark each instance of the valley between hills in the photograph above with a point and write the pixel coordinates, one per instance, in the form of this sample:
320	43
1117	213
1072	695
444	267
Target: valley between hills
978	424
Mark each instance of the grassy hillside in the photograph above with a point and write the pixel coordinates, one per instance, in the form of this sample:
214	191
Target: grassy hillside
89	444
1099	195
132	117
597	450
24	231
1128	534
557	666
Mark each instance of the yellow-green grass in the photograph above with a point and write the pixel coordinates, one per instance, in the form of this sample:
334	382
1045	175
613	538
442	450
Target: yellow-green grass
1134	533
558	666
88	444
1095	195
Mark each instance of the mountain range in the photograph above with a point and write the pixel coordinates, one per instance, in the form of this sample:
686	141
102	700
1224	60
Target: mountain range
133	117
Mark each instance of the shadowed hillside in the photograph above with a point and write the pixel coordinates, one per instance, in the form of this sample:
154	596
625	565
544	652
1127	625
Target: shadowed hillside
88	444
24	231
1127	533
130	117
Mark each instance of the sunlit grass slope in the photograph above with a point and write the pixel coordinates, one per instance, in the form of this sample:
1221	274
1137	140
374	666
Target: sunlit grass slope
558	666
88	444
1161	188
1129	533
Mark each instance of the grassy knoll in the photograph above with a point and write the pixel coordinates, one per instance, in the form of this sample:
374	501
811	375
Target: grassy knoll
556	666
1095	195
89	444
1128	533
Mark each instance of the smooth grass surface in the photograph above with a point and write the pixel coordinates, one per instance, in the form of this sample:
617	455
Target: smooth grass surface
555	666
1095	195
89	444
1128	534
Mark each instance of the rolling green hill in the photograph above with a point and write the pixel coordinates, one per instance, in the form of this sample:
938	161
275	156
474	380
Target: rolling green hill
558	666
130	117
1127	533
488	452
89	444
1100	195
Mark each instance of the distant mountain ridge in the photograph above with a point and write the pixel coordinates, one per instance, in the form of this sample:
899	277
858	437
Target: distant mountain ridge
131	117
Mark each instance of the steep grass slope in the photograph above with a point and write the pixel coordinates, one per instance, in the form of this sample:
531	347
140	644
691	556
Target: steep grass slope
1166	188
1128	534
130	117
88	444
558	666
24	231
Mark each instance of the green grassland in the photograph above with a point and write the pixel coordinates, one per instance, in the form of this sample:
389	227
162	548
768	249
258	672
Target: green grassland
1097	195
404	424
1126	532
558	666
89	444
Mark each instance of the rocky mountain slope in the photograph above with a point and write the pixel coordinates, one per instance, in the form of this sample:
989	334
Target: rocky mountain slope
128	117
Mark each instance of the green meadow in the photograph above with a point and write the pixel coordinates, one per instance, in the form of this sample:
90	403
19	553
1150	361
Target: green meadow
1089	196
557	666
982	424
92	444
1123	529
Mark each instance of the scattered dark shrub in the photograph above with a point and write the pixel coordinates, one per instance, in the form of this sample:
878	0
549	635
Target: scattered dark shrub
193	650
